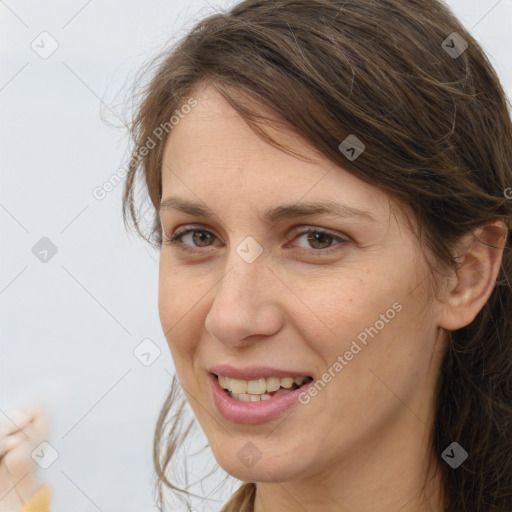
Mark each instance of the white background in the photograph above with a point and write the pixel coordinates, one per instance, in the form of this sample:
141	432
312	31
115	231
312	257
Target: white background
69	326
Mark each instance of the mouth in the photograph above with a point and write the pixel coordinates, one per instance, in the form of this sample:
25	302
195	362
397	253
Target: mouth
258	390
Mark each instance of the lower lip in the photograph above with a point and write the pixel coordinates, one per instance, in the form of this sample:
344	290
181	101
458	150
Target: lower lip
253	412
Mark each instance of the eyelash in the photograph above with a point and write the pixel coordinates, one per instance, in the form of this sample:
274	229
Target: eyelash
175	241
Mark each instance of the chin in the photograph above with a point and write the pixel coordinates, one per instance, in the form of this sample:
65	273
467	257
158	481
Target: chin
278	468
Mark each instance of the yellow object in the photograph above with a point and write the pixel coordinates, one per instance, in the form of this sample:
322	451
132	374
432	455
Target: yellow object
40	501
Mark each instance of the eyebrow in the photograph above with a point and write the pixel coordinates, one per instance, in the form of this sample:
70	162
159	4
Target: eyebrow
275	214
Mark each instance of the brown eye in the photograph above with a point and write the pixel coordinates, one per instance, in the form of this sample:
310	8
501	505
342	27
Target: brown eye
319	239
201	238
190	239
318	242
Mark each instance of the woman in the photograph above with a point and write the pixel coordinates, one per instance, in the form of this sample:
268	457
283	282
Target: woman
393	311
328	185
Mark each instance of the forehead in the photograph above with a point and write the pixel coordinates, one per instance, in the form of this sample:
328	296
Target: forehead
214	156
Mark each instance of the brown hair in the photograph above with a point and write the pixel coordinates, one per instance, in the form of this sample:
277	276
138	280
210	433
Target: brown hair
438	137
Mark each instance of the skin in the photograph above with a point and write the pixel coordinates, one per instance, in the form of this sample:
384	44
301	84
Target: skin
363	442
20	434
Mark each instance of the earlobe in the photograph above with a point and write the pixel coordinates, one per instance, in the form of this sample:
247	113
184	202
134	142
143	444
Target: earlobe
468	290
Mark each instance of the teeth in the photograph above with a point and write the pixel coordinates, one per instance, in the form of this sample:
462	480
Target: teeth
244	397
273	384
259	387
287	382
256	387
237	385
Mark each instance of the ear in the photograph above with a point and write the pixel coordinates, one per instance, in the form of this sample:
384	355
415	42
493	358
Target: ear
469	288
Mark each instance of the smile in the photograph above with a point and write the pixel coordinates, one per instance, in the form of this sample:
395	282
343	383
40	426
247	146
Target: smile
259	400
260	389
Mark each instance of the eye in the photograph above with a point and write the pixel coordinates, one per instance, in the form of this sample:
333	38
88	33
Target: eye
197	236
318	242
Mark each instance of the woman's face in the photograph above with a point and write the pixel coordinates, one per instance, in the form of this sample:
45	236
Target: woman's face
346	305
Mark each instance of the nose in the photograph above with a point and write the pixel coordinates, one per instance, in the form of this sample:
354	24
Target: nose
245	303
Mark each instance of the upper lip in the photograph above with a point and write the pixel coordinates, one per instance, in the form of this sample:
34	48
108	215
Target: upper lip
255	372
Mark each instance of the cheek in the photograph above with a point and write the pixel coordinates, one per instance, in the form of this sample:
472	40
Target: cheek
364	316
341	307
177	307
